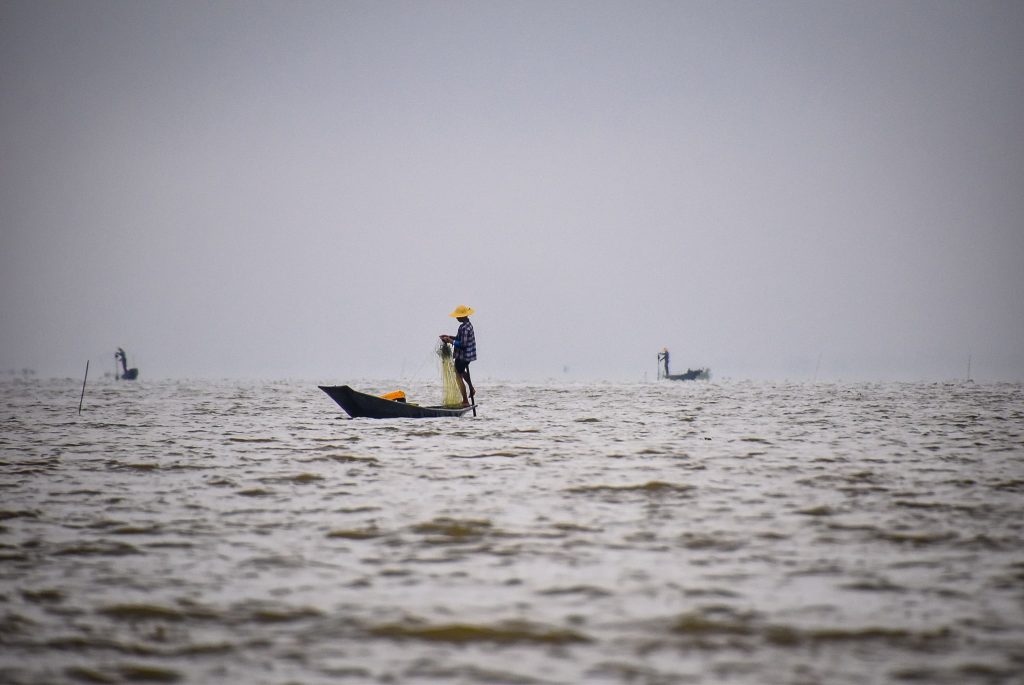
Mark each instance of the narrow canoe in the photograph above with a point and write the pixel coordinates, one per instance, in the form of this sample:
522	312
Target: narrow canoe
691	375
361	405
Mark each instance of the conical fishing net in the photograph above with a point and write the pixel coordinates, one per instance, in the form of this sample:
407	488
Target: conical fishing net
452	394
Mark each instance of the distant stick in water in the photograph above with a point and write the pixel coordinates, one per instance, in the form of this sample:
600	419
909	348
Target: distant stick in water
80	399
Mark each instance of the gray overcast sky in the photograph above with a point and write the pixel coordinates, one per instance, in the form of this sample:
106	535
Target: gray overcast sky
306	189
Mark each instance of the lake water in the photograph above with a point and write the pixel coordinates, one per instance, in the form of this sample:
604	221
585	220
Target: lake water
640	534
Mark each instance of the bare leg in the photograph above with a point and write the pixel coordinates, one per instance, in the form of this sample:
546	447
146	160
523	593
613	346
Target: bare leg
469	382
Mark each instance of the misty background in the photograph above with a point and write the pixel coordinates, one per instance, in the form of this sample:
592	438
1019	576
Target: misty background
775	190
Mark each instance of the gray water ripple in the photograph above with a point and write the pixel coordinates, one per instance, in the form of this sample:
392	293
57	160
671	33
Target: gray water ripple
221	531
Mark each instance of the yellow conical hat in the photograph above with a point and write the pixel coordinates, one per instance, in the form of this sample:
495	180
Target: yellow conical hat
461	311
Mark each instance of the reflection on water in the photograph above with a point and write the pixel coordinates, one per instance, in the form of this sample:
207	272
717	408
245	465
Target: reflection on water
658	533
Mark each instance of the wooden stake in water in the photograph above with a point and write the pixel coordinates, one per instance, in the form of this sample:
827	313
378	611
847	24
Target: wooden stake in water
83	387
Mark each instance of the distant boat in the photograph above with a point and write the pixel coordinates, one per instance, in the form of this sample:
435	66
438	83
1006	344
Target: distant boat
129	374
361	405
690	375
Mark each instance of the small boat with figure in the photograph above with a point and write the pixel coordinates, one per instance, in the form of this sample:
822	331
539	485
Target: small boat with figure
361	405
690	375
129	374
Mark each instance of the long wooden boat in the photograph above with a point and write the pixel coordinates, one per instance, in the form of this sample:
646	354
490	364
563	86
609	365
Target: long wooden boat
690	375
361	405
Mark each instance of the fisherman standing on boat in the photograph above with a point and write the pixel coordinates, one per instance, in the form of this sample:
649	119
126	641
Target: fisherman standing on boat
663	362
464	343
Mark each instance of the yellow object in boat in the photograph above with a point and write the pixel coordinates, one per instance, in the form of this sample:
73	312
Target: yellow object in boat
397	396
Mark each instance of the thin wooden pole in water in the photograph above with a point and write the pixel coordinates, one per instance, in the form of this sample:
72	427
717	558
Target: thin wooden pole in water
80	399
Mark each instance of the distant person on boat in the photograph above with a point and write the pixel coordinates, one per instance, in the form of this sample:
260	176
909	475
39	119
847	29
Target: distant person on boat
663	362
464	343
129	374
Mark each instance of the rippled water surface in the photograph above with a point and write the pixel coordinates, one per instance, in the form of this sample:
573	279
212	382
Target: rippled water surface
241	532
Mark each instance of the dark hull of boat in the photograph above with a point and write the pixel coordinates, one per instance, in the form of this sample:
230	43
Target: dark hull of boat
359	405
691	375
130	375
